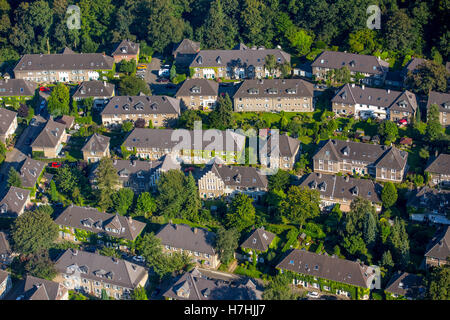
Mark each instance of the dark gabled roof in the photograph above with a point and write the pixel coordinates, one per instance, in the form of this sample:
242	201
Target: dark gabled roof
33	288
413	64
407	285
238	176
6	118
440	165
88	219
355	62
380	156
186	47
187	238
339	187
96	142
206	87
326	267
126	47
50	136
259	239
248	57
17	87
66	120
439	247
199	286
5	248
441	99
168	138
14	201
94	88
430	199
287	146
100	268
30	171
68	60
142	105
286	88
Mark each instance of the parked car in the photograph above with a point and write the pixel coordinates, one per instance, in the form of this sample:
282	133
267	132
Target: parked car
33	122
44	89
142	66
138	259
312	294
163	72
55	164
162	80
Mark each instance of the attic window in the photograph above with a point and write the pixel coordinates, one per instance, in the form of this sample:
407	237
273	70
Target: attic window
253	91
291	91
291	262
254	240
316	267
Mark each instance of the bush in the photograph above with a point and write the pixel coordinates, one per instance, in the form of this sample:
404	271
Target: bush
179	78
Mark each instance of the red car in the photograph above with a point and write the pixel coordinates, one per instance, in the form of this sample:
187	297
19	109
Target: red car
44	89
189	169
55	165
162	80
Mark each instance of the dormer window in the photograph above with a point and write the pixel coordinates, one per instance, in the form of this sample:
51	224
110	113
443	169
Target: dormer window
323	186
195	89
200	60
254	240
219	60
253	91
291	91
355	191
346	151
126	107
272	91
313	185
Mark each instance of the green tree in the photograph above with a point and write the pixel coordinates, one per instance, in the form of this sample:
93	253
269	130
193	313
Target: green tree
300	204
14	179
132	86
40	265
389	195
388	130
127	66
171	196
107	181
271	63
242	212
192	203
399	33
354	219
434	130
279	181
226	243
279	289
363	41
438	283
139	293
369	229
386	260
54	196
145	204
123	200
109	252
33	232
58	103
127	126
399	242
428	76
66	180
222	116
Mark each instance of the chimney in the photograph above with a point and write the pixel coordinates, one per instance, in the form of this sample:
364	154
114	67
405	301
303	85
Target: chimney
353	85
130	220
363	87
346	178
195	230
388	91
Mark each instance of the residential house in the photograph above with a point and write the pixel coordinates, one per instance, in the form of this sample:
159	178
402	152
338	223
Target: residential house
185	52
5	283
66	120
16	90
188	146
281	154
33	288
404	285
218	180
329	274
438	250
49	142
6	254
63	67
108	227
342	190
442	100
385	163
372	69
14	202
198	94
30	172
160	111
259	241
198	243
90	273
274	95
100	91
240	63
96	148
126	50
439	170
8	124
198	285
428	204
363	102
411	67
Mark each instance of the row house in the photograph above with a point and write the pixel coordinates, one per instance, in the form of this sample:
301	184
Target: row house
184	52
33	288
91	273
126	50
363	102
96	147
197	243
274	95
439	170
442	100
429	205
329	274
411	67
99	91
239	63
281	154
8	124
438	250
63	67
188	146
405	286
49	142
342	190
105	225
373	69
16	90
198	94
218	180
15	202
160	111
385	163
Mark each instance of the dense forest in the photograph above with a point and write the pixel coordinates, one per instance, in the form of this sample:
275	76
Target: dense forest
301	27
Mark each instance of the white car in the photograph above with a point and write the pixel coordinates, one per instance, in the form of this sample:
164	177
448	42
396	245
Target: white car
163	72
138	258
313	294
